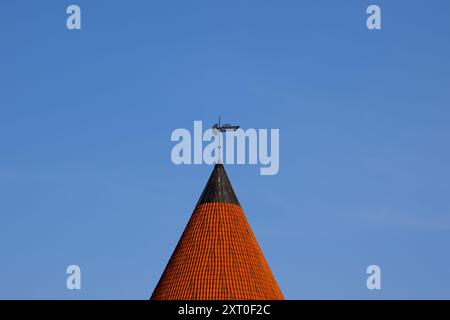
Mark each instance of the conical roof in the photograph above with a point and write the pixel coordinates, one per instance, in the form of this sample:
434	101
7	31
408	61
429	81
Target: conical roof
217	256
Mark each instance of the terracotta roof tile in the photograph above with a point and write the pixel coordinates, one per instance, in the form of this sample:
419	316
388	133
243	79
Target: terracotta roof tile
217	256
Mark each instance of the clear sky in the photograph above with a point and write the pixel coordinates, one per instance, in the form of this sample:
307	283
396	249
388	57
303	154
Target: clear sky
86	116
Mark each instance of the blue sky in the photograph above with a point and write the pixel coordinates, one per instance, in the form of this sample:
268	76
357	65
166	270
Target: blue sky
86	117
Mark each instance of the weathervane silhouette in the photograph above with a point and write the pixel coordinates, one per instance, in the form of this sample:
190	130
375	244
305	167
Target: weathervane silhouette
218	129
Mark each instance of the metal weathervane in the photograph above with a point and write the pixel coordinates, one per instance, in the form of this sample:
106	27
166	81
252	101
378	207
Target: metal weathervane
218	129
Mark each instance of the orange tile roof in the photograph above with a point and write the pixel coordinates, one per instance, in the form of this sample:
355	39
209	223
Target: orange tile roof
217	256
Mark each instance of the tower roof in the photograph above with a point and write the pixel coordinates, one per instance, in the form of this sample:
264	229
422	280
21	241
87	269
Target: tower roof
217	256
218	188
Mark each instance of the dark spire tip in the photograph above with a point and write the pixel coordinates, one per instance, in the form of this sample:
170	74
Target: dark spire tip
218	188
